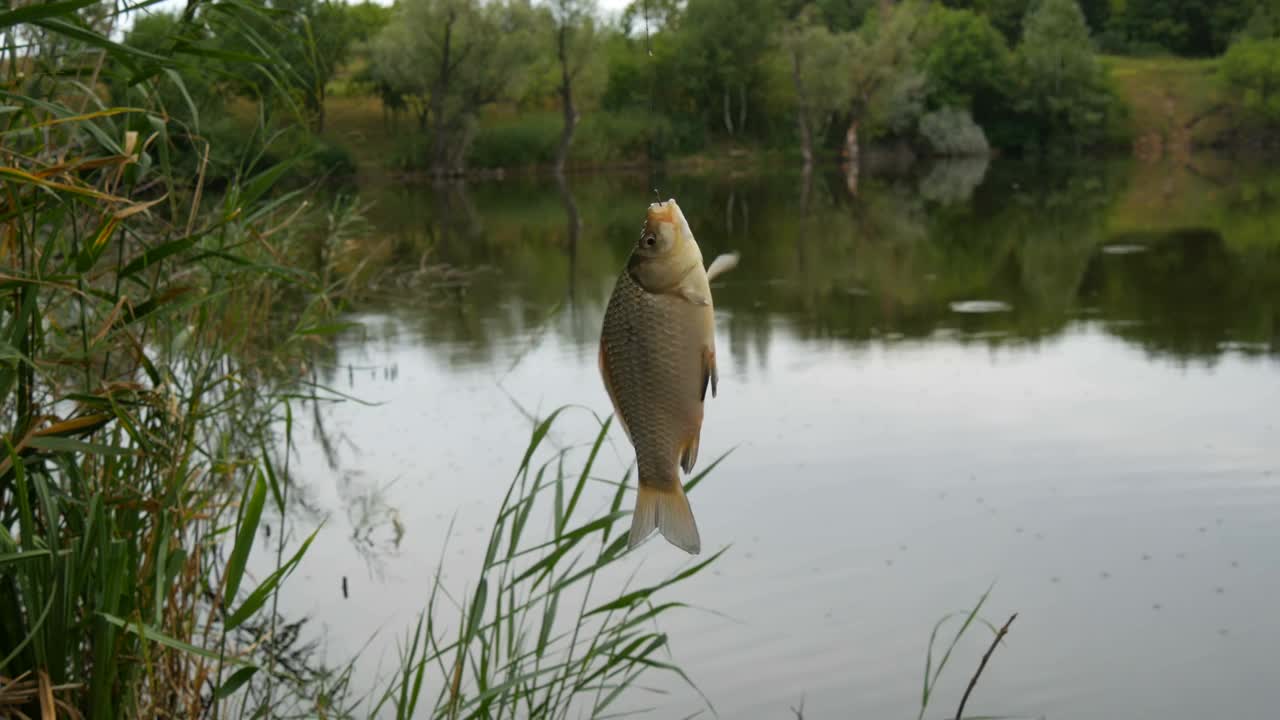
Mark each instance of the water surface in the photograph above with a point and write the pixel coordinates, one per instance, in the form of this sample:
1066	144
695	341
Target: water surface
1065	382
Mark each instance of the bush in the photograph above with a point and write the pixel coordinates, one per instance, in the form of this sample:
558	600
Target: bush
1251	70
630	135
1065	91
602	137
967	61
951	132
529	139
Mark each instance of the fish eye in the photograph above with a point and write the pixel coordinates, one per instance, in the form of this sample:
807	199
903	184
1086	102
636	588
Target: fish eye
649	240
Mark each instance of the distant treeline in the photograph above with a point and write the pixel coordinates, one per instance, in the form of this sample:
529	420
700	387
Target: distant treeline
516	82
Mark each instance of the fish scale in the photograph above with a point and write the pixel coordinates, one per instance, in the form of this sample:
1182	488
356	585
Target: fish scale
649	362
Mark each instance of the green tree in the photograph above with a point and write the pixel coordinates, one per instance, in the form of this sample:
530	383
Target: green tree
887	85
450	59
577	46
1251	69
1264	22
819	66
722	43
1185	27
967	62
1063	87
844	15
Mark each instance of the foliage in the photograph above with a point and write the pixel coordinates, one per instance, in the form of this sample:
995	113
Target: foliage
888	86
152	332
951	132
512	647
530	140
1251	71
1198	28
189	95
967	62
575	42
1064	88
721	45
133	302
817	64
449	59
1263	23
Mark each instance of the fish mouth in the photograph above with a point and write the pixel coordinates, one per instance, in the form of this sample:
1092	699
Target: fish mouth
663	212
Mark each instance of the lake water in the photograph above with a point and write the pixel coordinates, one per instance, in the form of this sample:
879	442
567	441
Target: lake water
1062	382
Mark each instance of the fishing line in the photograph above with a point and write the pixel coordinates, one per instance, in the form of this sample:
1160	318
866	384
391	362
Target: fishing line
653	104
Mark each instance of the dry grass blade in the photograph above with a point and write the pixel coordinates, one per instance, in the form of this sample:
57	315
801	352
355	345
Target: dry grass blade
48	710
17	692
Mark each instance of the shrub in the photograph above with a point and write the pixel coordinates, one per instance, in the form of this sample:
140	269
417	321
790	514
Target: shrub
950	132
1251	70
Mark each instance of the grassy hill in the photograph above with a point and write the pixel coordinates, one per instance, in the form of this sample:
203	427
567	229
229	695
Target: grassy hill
1175	103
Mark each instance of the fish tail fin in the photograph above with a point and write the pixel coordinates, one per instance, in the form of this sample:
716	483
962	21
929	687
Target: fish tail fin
667	509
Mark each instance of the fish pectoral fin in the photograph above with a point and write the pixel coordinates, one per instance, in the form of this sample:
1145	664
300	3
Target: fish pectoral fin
608	388
689	455
709	374
722	264
693	296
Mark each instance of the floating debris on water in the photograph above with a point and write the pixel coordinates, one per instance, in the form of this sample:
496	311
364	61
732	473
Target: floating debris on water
1123	249
980	306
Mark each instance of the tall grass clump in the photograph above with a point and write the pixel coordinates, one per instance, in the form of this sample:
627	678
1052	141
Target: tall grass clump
550	627
154	328
138	356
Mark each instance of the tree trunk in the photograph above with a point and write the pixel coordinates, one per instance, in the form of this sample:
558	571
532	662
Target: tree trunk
728	116
742	107
802	112
566	103
850	154
439	124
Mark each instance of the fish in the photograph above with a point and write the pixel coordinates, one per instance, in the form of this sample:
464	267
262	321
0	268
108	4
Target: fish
658	359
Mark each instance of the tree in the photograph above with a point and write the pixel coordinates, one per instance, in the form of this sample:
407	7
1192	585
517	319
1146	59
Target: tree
450	59
968	64
886	85
1064	88
1185	27
1264	22
1251	69
819	62
724	42
576	45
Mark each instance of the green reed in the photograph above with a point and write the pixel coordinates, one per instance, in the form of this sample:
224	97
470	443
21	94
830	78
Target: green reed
138	359
549	626
153	333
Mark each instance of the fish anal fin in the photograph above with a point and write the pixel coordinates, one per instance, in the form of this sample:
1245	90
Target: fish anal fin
665	508
689	454
608	387
709	374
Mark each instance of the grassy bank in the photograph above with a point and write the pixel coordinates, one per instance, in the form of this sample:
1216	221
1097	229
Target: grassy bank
1175	103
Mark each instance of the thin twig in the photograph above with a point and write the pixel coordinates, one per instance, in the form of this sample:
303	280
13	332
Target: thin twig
982	665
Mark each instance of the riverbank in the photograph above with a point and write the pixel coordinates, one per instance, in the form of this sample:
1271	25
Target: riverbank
1175	106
